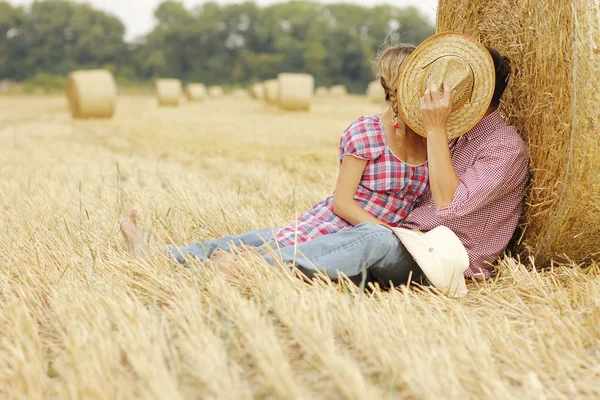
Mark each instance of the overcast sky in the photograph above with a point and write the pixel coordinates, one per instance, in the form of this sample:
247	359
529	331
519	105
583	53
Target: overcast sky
138	14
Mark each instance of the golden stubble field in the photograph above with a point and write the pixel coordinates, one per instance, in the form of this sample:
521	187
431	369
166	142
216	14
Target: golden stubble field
81	319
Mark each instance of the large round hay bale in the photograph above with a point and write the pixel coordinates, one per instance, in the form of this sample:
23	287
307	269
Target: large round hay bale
295	91
257	91
375	92
195	91
168	92
271	91
216	91
554	101
338	91
321	91
91	94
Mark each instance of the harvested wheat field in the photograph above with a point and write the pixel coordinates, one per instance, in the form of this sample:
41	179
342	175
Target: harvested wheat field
80	319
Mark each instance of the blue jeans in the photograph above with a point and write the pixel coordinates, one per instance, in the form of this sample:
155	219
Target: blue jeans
369	247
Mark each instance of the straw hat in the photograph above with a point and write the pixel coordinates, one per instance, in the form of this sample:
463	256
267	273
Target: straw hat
441	256
455	59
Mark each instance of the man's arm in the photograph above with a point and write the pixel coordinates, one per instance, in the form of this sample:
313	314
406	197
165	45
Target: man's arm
435	111
498	170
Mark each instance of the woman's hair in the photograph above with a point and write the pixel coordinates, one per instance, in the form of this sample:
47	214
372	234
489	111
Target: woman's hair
389	63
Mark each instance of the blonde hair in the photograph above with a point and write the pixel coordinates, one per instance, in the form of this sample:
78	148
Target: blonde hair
389	63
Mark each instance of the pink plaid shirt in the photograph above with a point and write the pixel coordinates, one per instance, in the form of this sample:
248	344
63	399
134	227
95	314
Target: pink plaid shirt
388	189
491	161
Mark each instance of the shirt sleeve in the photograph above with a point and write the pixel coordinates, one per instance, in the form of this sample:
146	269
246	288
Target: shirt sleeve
363	139
498	171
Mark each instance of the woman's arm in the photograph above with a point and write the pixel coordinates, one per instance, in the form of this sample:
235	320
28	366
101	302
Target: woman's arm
349	178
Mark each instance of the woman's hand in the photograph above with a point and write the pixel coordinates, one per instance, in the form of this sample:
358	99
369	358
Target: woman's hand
436	109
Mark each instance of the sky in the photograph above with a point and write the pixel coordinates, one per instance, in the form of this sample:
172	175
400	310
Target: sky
137	15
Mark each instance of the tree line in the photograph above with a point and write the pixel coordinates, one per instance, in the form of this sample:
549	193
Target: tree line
233	44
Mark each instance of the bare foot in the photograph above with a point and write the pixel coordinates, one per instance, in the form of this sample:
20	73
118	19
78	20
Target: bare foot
133	235
224	262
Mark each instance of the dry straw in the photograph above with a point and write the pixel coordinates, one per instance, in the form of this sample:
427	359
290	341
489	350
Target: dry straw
554	101
338	91
91	94
168	92
257	91
295	91
195	92
375	92
216	91
271	91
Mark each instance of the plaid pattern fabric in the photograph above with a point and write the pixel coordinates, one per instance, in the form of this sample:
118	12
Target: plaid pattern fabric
388	189
492	163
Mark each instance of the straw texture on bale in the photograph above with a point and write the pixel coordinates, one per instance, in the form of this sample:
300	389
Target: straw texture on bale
321	91
168	92
257	91
295	91
338	91
216	91
271	91
554	101
91	94
375	92
195	91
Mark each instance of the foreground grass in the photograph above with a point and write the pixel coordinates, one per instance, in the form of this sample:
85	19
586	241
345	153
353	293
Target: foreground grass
80	319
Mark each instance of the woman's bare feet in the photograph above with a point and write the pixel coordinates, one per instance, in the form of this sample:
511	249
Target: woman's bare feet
133	235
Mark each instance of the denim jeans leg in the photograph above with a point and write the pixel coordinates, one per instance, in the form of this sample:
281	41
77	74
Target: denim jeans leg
367	246
203	250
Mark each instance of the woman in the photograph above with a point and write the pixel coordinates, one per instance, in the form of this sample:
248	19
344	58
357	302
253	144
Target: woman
383	170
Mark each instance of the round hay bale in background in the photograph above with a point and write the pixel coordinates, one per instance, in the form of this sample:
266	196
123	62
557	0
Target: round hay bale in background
338	91
216	91
321	91
240	93
195	91
295	91
257	91
168	92
271	91
91	94
375	92
562	216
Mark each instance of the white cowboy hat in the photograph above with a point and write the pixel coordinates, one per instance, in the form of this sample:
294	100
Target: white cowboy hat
441	256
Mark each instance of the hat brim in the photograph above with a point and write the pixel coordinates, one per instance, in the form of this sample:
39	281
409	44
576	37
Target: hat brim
448	43
448	278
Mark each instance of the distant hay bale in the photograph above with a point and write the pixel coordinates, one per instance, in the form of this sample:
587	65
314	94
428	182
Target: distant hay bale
321	91
338	91
216	91
554	101
195	92
375	92
295	91
271	91
91	94
168	92
257	91
240	93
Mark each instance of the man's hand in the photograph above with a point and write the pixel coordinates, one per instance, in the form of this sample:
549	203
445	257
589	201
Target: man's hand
436	109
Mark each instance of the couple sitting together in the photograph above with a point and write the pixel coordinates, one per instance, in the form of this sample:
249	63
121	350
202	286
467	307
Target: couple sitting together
429	190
